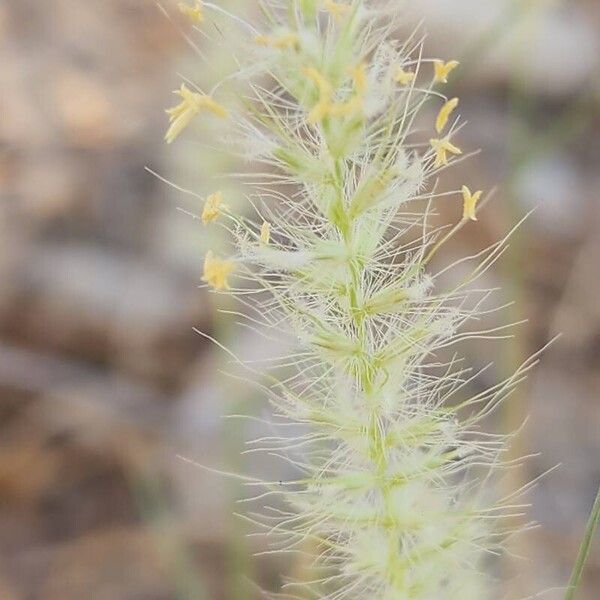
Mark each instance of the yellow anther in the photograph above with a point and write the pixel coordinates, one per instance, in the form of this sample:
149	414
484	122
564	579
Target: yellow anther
354	104
216	271
443	69
281	42
346	109
319	112
444	114
194	13
326	107
470	203
337	10
404	77
319	80
212	208
181	115
265	233
324	104
359	77
442	147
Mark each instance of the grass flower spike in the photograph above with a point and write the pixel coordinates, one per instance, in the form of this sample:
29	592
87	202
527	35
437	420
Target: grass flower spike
379	423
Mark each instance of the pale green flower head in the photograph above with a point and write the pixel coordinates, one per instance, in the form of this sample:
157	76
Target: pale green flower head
392	488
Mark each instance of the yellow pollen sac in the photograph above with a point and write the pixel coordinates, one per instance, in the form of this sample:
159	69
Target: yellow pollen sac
182	115
289	40
194	13
323	106
354	104
319	80
359	77
470	203
444	114
443	69
404	77
442	147
346	109
336	9
265	233
212	208
216	271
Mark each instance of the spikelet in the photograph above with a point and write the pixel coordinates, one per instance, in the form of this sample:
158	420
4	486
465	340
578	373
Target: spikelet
392	472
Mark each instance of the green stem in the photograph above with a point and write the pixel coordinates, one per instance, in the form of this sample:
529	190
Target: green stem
584	549
366	378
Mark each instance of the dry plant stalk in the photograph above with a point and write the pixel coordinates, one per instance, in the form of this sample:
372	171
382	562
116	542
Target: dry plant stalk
394	491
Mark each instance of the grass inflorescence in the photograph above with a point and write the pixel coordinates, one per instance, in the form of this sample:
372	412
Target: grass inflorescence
394	495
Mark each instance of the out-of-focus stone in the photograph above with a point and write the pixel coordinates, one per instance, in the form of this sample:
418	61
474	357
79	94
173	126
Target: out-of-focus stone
118	563
554	187
553	46
102	303
50	189
87	114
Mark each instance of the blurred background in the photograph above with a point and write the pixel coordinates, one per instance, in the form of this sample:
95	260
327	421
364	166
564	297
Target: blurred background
103	381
